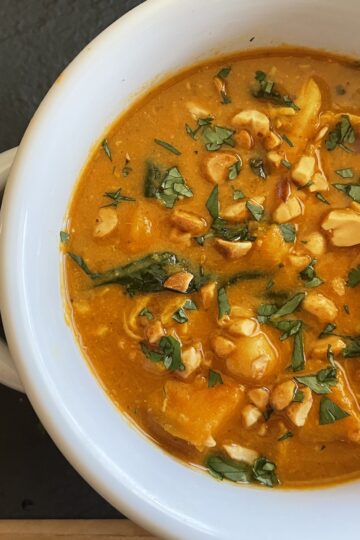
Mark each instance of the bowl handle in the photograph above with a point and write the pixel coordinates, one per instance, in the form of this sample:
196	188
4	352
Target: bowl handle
8	373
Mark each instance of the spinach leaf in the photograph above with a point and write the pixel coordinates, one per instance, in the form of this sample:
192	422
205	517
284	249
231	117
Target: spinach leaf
290	306
342	135
236	471
288	232
224	307
320	382
172	187
215	136
214	378
169	352
330	412
168	147
267	89
354	277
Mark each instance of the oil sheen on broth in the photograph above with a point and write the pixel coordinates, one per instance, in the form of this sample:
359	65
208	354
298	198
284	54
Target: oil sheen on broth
212	266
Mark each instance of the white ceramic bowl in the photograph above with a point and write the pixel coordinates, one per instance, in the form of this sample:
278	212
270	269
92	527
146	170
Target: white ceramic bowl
148	485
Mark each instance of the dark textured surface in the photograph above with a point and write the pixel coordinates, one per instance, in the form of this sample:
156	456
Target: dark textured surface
38	38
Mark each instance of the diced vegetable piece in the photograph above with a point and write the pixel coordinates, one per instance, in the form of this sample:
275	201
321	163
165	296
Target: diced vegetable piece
191	357
259	397
204	410
303	171
244	327
282	395
154	331
250	415
240	453
316	244
216	166
299	411
223	346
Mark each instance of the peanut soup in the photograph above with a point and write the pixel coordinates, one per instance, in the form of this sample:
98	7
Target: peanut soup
212	266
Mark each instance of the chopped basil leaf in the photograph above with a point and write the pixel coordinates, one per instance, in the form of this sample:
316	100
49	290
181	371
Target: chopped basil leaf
330	357
309	275
290	306
238	194
287	140
224	307
298	396
266	89
169	353
180	316
321	198
298	356
286	435
212	204
106	149
189	304
345	173
168	147
258	168
255	209
214	378
215	136
352	349
146	313
351	190
346	309
264	472
201	122
84	267
308	184
342	135
286	163
116	198
225	98
64	237
354	277
270	284
172	187
289	328
320	382
224	72
288	232
328	330
230	231
234	170
330	412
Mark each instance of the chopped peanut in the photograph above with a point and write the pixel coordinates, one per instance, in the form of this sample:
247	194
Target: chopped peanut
244	139
188	221
272	141
323	308
316	244
208	294
319	183
244	327
257	122
299	261
344	227
196	110
240	453
275	158
233	250
179	281
303	171
282	395
106	222
250	415
216	166
191	358
238	211
288	210
222	346
298	412
259	397
338	286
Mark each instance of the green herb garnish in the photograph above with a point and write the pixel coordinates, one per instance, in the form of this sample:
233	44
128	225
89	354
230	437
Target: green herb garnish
342	135
234	170
321	198
224	72
353	277
262	471
106	149
64	237
298	355
258	167
286	163
287	140
169	353
214	378
328	330
351	190
116	198
238	194
215	136
201	122
255	209
146	313
309	275
345	173
320	382
330	412
224	307
168	147
180	315
212	204
267	89
288	231
286	435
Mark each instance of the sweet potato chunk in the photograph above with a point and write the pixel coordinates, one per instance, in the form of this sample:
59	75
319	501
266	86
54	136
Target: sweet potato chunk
193	412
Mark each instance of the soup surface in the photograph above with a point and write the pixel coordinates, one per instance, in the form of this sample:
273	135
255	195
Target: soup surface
212	266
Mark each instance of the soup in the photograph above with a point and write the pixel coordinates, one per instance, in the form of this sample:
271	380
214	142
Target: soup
212	267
